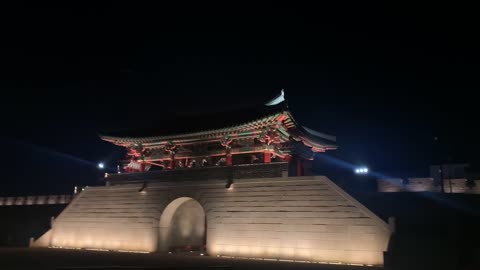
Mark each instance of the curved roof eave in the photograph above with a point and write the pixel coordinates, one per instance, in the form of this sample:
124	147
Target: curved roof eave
123	140
310	137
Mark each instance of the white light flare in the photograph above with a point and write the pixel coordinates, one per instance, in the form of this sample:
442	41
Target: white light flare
362	170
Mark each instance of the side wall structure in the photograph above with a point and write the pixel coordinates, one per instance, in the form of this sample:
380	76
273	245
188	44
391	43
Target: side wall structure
294	218
459	185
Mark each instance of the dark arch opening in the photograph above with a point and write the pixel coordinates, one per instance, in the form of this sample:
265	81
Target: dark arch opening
183	226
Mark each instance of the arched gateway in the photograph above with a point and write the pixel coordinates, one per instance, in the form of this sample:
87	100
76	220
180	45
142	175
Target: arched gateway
249	181
182	226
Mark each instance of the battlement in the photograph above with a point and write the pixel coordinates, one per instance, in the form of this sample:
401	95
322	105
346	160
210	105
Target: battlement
35	200
247	171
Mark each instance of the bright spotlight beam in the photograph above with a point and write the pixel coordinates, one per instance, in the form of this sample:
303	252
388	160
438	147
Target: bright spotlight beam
362	170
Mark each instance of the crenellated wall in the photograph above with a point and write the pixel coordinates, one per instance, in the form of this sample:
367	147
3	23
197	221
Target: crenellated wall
298	218
35	200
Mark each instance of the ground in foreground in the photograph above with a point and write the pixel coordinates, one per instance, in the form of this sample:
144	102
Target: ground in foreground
49	259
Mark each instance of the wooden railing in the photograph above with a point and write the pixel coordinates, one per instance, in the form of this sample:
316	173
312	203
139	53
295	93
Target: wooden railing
270	170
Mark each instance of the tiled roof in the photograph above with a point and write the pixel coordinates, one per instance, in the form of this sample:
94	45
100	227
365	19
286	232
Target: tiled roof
221	124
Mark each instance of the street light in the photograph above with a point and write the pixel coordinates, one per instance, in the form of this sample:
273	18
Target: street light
101	165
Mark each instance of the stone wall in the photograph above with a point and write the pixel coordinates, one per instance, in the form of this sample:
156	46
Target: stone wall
426	184
21	222
35	200
296	218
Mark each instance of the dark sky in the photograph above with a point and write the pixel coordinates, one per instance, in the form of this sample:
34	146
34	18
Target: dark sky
385	80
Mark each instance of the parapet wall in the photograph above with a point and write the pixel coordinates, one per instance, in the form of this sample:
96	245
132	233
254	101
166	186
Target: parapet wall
427	184
248	171
35	200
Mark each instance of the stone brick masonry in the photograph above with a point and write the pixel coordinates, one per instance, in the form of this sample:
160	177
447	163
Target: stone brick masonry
299	218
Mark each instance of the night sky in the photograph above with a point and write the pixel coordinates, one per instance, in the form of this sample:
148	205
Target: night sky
386	80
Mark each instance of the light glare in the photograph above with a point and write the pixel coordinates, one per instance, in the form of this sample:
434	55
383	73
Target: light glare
362	170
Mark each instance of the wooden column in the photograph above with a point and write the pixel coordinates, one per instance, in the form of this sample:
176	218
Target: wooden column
267	156
228	160
170	148
227	143
299	167
142	166
172	161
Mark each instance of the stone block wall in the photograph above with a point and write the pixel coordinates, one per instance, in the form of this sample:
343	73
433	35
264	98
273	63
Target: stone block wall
35	200
21	222
460	186
296	218
426	184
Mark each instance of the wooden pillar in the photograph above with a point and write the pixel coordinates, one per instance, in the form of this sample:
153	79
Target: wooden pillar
142	166
210	161
172	161
267	156
299	167
229	156
288	158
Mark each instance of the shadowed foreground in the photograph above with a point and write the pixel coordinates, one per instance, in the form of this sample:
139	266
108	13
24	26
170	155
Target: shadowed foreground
24	258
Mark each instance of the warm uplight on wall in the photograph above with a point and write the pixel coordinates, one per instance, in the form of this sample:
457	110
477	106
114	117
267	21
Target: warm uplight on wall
143	188
229	184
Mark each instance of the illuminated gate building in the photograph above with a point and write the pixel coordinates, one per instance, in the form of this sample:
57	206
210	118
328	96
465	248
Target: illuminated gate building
244	189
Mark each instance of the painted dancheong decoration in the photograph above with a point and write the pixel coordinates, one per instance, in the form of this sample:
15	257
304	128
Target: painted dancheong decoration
248	194
263	134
